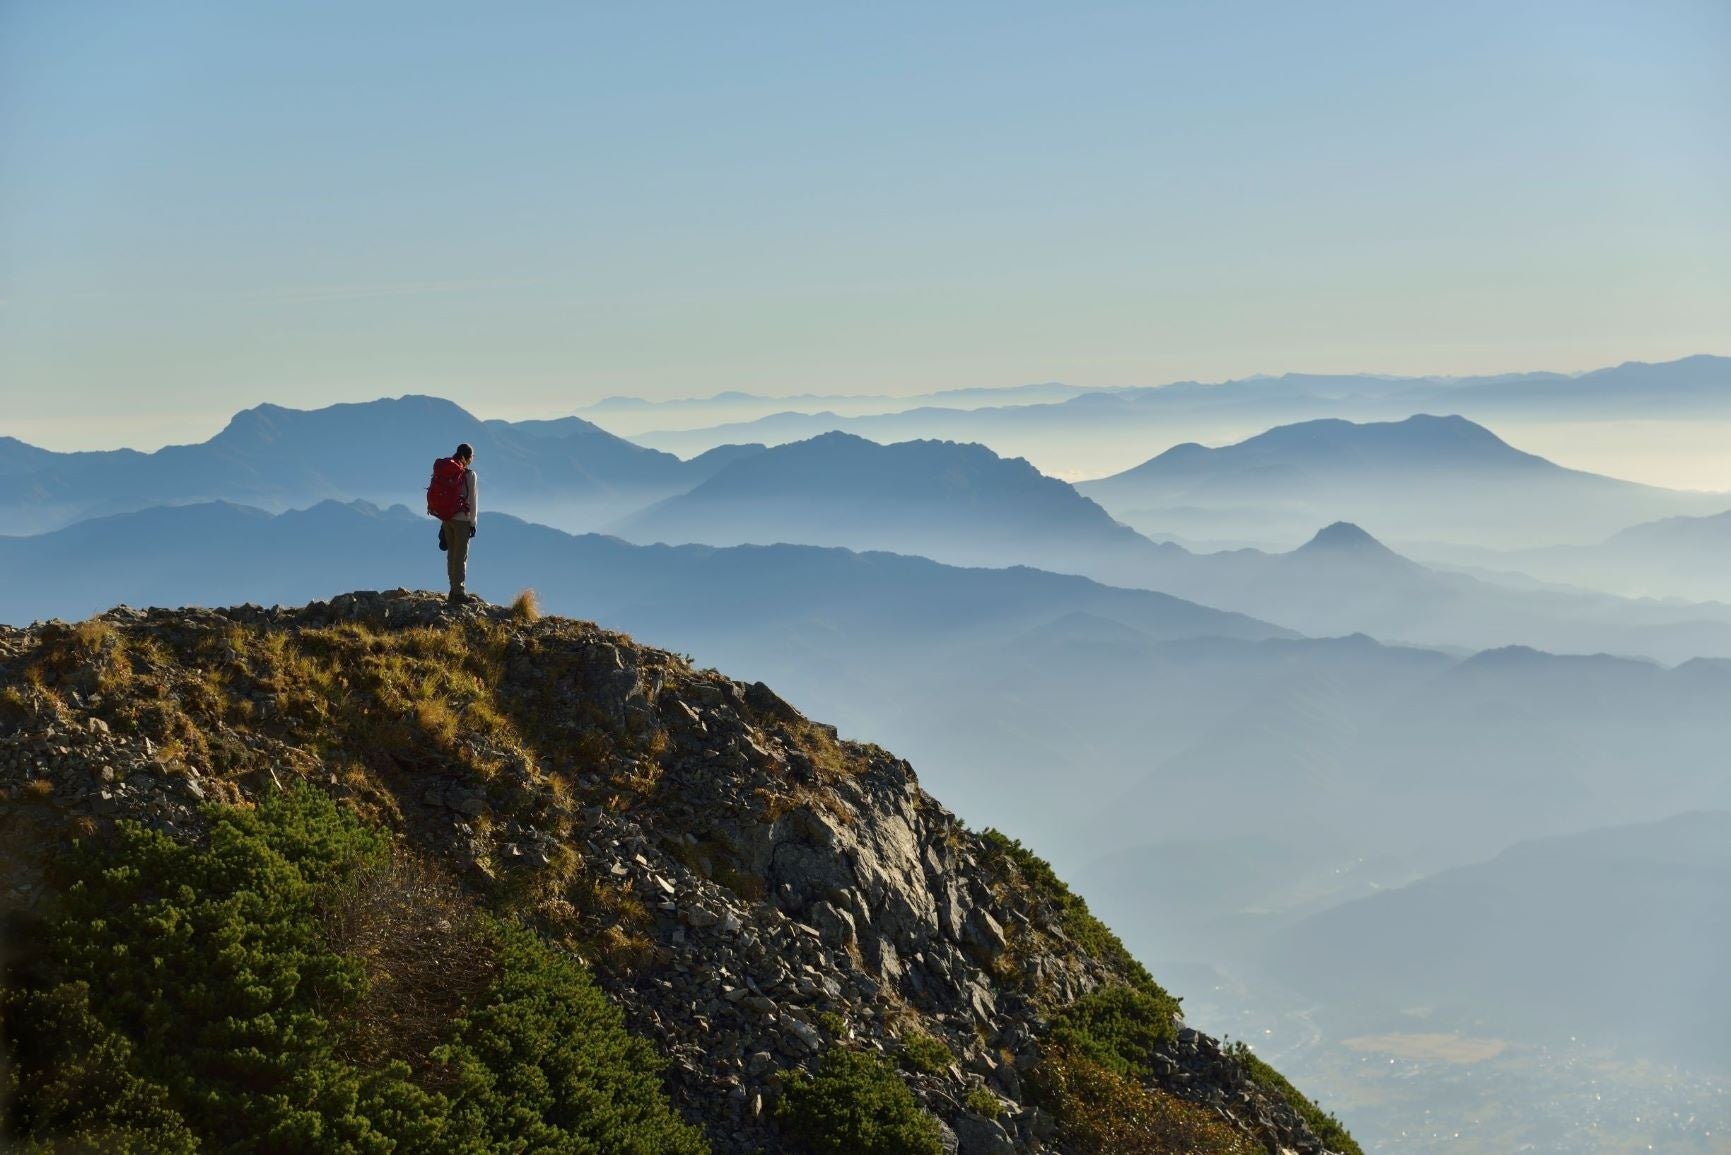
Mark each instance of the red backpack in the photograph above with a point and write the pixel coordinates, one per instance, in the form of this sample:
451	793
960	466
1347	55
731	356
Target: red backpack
447	496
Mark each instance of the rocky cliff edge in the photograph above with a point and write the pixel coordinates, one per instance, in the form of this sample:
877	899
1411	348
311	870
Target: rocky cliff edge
749	888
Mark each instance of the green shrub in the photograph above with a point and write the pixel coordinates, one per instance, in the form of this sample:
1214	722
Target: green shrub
544	1064
1101	1112
983	1102
215	998
920	1052
209	962
1119	1028
856	1105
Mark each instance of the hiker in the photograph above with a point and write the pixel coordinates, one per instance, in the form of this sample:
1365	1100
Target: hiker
451	499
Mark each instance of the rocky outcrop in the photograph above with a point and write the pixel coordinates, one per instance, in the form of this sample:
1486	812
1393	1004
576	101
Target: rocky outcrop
773	891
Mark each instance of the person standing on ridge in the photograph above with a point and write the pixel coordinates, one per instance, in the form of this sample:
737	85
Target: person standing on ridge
451	497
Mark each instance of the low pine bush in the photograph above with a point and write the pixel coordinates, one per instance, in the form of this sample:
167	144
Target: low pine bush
920	1052
856	1105
225	997
1120	1028
543	1063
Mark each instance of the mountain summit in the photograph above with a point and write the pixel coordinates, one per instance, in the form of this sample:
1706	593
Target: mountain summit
1343	537
1419	443
958	503
1443	478
820	951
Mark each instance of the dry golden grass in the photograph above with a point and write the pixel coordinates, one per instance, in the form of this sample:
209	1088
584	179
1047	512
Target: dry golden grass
609	922
88	656
92	634
827	755
14	703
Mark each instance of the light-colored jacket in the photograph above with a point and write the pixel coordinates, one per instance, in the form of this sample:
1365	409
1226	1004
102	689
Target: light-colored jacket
472	514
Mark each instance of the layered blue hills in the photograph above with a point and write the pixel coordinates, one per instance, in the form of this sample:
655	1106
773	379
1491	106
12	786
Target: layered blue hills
378	450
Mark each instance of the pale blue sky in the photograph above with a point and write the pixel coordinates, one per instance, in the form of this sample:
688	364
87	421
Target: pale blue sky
528	206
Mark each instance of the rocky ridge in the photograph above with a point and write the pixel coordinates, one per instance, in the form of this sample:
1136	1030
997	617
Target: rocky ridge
748	887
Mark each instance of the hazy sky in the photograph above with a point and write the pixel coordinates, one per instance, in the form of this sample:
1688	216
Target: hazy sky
528	206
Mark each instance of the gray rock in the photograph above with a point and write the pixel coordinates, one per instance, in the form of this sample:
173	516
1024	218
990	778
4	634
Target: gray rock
983	934
978	1135
805	1033
835	925
981	1002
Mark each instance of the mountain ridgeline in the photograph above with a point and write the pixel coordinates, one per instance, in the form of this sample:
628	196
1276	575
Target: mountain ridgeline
1076	433
280	458
959	503
425	839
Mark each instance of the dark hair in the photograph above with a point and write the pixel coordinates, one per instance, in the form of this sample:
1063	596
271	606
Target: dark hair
464	452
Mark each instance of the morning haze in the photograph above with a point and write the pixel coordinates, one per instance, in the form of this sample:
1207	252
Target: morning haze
1263	465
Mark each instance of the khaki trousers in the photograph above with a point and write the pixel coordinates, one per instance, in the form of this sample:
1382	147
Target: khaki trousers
456	554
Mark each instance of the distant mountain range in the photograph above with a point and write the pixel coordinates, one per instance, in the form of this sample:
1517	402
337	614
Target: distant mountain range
1098	426
1613	936
630	416
1699	385
568	470
959	504
1423	478
1435	477
964	505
